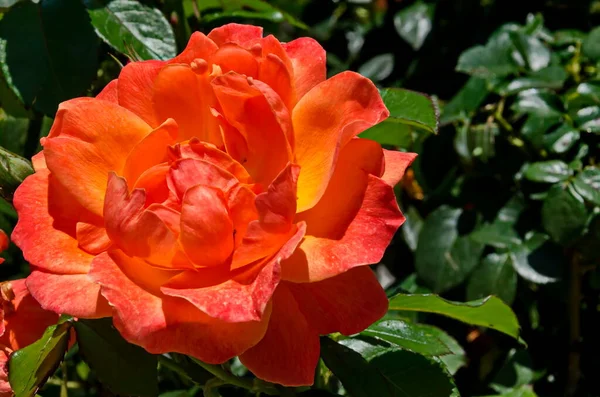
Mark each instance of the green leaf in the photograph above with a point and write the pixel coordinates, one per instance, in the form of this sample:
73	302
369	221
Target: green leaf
30	367
251	9
390	132
37	63
591	45
568	36
492	60
533	51
562	139
412	108
467	101
368	370
489	312
537	260
128	26
414	23
536	126
551	171
125	368
378	68
587	184
444	258
13	133
495	276
408	336
535	101
514	373
497	235
13	170
411	228
563	215
551	77
457	359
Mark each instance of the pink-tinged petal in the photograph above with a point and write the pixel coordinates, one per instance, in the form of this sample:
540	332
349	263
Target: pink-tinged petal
325	120
110	93
353	223
26	321
190	172
196	149
39	161
289	351
347	303
73	294
206	229
150	151
92	239
135	89
236	296
43	240
137	231
199	47
235	33
396	164
277	206
5	389
232	57
163	324
262	119
276	209
308	62
81	150
186	96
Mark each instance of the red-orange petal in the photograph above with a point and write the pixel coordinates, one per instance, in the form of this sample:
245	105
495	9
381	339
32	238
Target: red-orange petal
196	149
206	228
289	351
36	233
137	231
110	93
73	294
308	62
354	221
91	238
81	150
3	241
235	33
180	93
163	324
396	164
324	120
135	89
262	119
199	46
347	303
27	321
232	57
150	151
189	172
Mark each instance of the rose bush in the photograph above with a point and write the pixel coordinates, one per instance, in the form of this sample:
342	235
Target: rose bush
217	204
22	322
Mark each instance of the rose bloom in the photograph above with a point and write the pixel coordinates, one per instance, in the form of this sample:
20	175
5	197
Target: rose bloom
218	204
22	322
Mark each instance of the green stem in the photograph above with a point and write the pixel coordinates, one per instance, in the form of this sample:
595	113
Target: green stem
173	366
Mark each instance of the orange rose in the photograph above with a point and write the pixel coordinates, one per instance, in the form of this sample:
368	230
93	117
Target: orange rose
22	322
217	204
3	243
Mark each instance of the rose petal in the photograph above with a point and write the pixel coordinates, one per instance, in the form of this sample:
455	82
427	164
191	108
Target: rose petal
91	238
263	121
187	97
190	172
324	120
353	223
196	149
396	164
166	324
137	231
110	93
289	351
150	151
347	303
81	150
36	232
135	89
308	62
73	294
235	33
199	47
206	228
28	321
232	57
